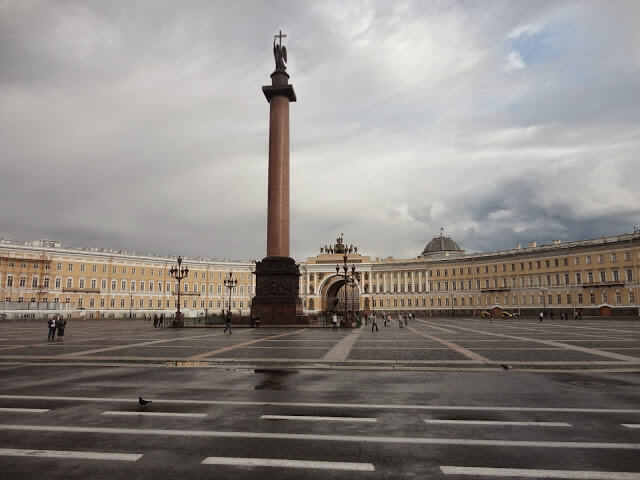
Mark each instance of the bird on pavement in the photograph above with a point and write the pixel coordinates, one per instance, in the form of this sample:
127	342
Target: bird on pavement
142	402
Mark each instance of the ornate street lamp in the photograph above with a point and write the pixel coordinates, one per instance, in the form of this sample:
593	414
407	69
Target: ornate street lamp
349	279
230	283
179	273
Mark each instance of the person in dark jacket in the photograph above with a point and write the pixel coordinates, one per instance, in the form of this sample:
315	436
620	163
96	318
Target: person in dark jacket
52	328
61	323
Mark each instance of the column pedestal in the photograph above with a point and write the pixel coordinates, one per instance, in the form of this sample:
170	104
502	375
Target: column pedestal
277	298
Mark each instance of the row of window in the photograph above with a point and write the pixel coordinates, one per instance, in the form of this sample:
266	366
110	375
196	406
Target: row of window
141	303
142	285
531	281
114	269
530	265
543	300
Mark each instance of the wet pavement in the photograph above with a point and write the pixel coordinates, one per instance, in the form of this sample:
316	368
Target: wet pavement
83	421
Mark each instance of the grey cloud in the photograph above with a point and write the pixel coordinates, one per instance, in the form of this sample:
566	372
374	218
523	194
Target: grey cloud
141	125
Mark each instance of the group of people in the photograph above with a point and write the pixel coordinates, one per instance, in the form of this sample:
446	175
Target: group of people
57	323
577	315
255	320
403	319
158	320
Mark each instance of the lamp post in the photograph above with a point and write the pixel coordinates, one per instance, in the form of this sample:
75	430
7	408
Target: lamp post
349	278
544	302
230	283
179	273
130	301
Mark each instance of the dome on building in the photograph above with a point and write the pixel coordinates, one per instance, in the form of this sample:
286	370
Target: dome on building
441	244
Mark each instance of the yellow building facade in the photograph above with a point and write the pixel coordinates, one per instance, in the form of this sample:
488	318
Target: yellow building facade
591	277
588	277
41	278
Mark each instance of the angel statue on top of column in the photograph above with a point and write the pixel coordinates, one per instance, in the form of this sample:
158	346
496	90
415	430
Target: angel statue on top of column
280	55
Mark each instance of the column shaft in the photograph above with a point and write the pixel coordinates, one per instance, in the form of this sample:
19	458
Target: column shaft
278	196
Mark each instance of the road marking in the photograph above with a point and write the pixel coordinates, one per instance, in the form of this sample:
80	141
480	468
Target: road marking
631	425
330	438
524	472
436	327
319	419
340	352
496	422
243	344
24	410
278	462
133	345
567	346
124	457
453	346
382	406
155	414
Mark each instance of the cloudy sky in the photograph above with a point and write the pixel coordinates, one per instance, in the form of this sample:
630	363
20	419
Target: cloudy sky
141	125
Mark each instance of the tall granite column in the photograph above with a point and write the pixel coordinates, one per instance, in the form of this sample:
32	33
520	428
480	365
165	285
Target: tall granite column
277	299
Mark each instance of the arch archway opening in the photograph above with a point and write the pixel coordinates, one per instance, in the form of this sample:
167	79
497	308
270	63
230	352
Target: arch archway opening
339	297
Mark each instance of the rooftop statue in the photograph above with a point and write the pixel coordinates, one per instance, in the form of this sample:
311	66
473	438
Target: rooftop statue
279	53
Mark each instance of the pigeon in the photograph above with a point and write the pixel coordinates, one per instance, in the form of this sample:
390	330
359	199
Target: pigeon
142	402
505	366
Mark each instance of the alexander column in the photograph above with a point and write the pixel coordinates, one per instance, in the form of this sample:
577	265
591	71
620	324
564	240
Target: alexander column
277	299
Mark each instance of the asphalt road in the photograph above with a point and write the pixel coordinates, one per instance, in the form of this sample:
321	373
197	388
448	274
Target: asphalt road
456	399
354	424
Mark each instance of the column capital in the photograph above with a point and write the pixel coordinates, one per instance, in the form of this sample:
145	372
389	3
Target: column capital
286	91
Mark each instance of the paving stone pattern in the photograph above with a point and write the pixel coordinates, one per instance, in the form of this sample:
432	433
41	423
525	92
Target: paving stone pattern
459	343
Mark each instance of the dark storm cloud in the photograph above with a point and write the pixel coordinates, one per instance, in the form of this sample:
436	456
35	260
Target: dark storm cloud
141	125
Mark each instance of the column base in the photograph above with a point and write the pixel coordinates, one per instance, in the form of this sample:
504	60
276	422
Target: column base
277	300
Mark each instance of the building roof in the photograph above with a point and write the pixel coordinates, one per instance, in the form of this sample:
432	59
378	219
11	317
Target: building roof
441	244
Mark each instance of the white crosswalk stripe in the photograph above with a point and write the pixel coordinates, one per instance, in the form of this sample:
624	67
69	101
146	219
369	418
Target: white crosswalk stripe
497	423
24	410
535	473
329	438
380	406
155	414
284	463
123	457
317	419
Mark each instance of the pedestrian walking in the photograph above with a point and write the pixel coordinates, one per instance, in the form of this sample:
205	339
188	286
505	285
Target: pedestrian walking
334	321
155	321
541	315
228	324
52	328
161	320
399	320
61	323
373	322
